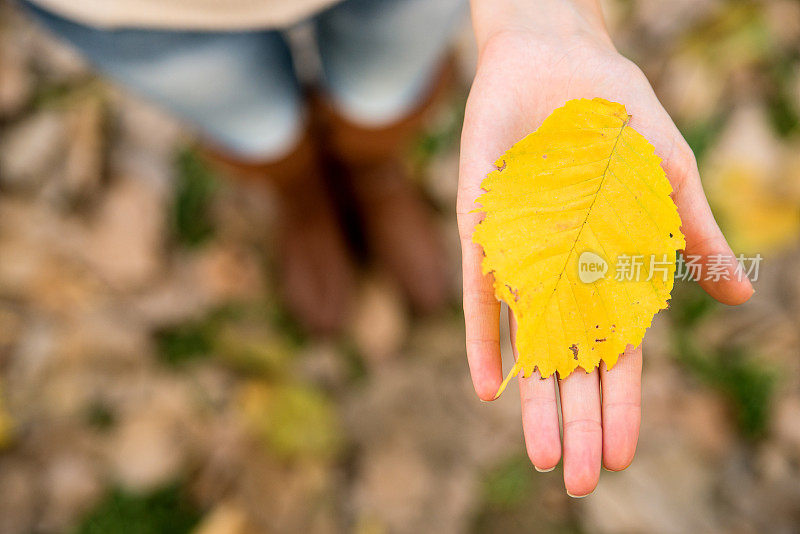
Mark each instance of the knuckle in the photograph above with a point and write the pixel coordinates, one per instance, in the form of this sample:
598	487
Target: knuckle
681	164
536	403
622	68
481	297
585	425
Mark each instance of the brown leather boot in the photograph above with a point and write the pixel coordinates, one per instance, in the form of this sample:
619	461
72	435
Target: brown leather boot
397	222
315	269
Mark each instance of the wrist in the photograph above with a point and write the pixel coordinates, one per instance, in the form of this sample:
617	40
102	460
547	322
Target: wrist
563	20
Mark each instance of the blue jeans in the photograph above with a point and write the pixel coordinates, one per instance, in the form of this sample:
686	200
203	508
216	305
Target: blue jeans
239	89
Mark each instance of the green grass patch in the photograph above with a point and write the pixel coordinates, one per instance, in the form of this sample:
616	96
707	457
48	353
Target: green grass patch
747	384
185	342
509	484
164	511
100	417
195	187
441	136
690	305
701	135
249	338
512	501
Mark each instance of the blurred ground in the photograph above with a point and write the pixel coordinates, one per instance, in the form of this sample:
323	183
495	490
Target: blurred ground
149	382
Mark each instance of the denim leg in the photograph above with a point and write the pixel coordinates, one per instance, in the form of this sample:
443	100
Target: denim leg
238	89
378	56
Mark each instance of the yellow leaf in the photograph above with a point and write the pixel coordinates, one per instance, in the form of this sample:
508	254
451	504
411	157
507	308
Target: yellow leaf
6	424
294	420
570	212
225	518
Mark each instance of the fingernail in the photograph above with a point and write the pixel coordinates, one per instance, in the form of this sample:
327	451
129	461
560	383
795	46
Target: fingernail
578	496
544	470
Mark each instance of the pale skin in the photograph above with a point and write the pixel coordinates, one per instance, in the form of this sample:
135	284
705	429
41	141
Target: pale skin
534	55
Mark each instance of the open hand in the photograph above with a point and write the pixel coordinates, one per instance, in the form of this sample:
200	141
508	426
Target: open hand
531	63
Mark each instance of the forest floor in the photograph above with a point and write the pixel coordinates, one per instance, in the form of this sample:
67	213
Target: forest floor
150	377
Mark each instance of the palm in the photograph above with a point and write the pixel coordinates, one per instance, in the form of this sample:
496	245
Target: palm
517	85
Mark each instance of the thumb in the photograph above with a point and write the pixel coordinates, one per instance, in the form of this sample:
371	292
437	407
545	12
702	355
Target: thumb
719	273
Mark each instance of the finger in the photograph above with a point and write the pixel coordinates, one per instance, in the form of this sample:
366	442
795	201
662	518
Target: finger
621	409
481	308
580	409
703	236
482	323
704	239
539	414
